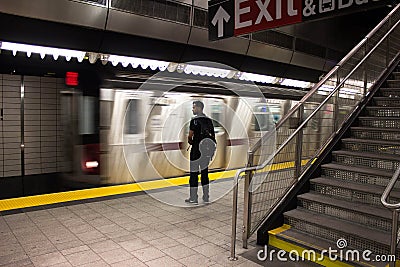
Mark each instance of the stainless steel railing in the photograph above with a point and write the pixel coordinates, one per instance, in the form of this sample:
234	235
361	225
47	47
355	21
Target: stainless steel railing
395	208
311	125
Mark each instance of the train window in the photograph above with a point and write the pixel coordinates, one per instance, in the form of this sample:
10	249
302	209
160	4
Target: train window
276	112
216	116
87	115
132	117
263	120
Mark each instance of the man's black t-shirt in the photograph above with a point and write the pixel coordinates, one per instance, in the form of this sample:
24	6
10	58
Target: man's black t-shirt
195	126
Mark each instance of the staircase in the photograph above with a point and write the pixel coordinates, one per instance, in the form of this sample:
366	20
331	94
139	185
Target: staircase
344	202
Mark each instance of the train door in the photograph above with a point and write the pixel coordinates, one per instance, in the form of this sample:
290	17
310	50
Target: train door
215	109
69	101
126	147
167	132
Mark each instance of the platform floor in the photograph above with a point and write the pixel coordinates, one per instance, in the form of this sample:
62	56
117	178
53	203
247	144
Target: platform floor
135	230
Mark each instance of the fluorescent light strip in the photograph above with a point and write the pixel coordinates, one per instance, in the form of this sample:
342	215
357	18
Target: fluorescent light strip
256	77
154	64
296	83
42	51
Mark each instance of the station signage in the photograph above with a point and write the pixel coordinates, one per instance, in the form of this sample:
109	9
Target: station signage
71	78
229	18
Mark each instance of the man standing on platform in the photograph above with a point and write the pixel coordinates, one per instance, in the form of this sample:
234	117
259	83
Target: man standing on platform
202	138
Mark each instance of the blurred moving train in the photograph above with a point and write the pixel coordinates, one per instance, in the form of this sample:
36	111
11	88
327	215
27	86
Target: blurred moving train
142	133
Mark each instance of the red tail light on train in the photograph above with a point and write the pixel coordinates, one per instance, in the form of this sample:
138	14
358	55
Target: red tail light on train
91	159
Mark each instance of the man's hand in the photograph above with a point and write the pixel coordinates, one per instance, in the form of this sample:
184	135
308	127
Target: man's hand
190	137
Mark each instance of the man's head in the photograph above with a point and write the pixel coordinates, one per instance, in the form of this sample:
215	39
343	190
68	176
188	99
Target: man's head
197	107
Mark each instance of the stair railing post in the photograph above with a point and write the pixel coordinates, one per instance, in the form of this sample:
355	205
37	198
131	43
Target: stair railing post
393	241
365	69
247	201
299	144
336	104
234	218
389	23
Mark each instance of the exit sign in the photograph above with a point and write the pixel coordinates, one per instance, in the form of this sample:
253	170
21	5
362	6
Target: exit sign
71	78
229	18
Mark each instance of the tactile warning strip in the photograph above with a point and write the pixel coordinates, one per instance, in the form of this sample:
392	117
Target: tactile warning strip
47	199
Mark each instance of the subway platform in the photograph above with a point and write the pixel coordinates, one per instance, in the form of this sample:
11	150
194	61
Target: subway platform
127	230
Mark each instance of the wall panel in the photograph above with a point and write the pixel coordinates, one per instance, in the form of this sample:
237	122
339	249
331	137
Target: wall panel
11	95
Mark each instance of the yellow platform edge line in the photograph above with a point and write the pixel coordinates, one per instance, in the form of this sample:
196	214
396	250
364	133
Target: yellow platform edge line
53	198
60	197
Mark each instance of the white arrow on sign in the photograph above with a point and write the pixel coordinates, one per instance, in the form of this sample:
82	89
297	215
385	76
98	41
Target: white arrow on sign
219	18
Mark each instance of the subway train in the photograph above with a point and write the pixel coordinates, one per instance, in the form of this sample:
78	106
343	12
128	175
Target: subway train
142	130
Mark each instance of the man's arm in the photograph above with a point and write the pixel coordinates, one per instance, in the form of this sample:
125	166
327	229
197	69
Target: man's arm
190	137
212	132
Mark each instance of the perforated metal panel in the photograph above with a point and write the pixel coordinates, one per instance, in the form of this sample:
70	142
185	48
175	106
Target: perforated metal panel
274	38
99	2
164	9
310	48
376	134
348	194
370	147
367	162
334	235
384	112
356	177
390	92
380	123
200	18
350	215
393	83
387	101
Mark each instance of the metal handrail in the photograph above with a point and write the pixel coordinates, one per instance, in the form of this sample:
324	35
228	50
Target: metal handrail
325	78
395	212
302	125
388	189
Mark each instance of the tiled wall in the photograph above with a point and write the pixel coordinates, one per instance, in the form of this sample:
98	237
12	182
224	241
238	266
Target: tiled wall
11	125
43	131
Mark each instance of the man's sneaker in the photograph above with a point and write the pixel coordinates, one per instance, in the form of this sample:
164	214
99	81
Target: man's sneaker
206	200
191	201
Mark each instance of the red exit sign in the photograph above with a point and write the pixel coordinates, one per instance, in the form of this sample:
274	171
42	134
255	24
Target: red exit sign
256	15
71	78
227	18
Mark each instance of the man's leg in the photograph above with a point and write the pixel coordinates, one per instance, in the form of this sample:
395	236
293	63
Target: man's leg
205	180
193	181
